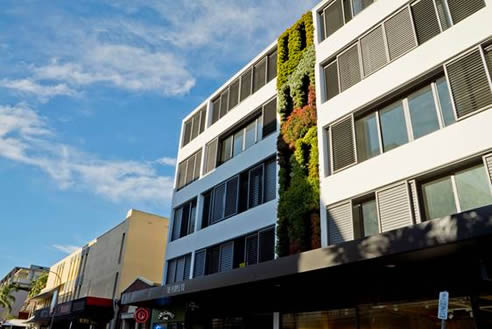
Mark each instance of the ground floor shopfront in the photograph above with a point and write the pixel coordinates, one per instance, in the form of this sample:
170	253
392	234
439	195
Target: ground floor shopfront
391	280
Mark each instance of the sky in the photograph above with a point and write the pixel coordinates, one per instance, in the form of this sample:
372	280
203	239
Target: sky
92	95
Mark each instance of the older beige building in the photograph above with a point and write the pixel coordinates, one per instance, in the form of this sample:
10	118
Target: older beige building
91	278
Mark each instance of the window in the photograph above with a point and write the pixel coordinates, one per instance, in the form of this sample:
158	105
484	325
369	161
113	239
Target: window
365	218
425	20
428	109
178	269
253	79
267	245
184	220
399	34
461	191
423	112
393	126
333	17
200	259
367	135
373	50
226	256
251	250
240	193
349	68
194	126
331	80
250	133
189	170
461	9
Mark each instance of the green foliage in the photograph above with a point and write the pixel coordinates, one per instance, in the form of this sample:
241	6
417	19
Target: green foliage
298	209
291	45
6	298
38	285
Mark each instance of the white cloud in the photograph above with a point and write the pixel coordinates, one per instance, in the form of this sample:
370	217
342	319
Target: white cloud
44	92
67	249
165	161
25	138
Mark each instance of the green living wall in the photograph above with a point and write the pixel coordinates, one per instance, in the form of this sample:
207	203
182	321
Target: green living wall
298	226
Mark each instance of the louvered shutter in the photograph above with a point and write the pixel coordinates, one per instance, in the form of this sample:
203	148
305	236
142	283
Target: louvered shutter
226	253
488	58
252	250
415	201
196	126
267	245
218	209
186	275
180	269
259	75
425	20
171	271
488	165
231	196
246	85
178	218
270	180
342	139
373	51
224	103
198	163
333	17
461	9
187	132
199	269
394	207
255	193
203	119
331	80
469	83
349	68
269	118
215	110
234	94
272	65
182	174
190	169
340	223
211	155
399	33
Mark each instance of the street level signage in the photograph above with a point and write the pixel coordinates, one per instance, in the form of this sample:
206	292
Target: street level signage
442	312
142	315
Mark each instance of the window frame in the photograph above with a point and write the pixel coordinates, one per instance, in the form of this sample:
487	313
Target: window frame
262	180
226	190
185	163
358	202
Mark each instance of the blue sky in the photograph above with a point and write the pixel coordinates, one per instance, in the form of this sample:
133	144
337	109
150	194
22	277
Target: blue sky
92	94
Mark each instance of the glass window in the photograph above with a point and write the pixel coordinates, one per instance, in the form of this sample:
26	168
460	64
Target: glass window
443	14
473	188
219	200
246	85
234	94
226	151
423	112
439	198
359	5
250	137
272	65
366	131
259	75
393	126
445	101
270	180
365	218
259	128
238	142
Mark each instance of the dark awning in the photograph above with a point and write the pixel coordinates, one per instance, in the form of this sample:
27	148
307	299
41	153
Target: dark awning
439	238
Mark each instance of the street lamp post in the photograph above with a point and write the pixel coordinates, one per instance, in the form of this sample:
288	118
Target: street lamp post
54	301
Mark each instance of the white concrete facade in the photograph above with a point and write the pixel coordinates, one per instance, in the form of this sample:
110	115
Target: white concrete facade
466	138
251	220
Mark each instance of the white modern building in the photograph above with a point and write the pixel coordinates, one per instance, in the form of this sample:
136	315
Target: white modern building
403	93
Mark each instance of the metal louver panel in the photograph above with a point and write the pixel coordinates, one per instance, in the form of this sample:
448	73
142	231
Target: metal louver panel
187	132
342	139
259	75
187	269
272	65
488	165
333	15
180	269
215	110
469	83
182	173
252	250
203	118
340	224
224	103
231	196
218	203
488	58
171	271
234	94
199	269
394	207
267	245
270	180
269	118
196	126
415	202
198	163
190	169
373	51
425	19
255	195
226	253
246	80
178	217
211	155
331	80
461	9
349	68
400	35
